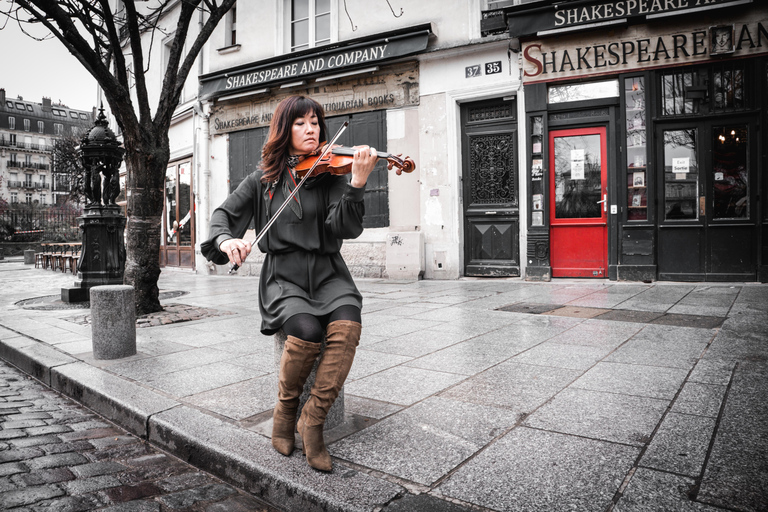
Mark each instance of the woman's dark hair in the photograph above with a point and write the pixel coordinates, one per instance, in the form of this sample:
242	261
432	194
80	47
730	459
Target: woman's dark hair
274	154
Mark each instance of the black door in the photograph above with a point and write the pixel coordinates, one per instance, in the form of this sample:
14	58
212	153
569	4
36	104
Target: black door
490	188
708	227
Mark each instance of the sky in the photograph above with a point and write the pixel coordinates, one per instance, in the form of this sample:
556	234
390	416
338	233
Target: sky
33	69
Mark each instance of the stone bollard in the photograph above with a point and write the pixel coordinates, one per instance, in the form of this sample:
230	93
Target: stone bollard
336	414
113	321
29	256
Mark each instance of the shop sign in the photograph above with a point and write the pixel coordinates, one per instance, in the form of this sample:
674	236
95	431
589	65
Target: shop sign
312	65
578	56
392	87
568	17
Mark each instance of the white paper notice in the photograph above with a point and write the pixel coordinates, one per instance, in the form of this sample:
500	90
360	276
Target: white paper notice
577	164
680	165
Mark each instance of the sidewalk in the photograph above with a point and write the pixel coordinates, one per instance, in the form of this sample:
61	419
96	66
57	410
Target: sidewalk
465	395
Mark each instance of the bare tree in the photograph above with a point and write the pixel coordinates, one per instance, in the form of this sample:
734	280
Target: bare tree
108	43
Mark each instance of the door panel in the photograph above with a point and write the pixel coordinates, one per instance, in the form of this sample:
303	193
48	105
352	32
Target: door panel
578	202
177	249
490	180
707	231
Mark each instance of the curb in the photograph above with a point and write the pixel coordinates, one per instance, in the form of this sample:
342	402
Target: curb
238	456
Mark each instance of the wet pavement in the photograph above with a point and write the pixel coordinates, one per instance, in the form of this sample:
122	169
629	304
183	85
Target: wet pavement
473	394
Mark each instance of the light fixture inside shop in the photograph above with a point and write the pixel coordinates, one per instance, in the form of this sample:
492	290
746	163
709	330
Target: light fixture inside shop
293	84
240	95
348	73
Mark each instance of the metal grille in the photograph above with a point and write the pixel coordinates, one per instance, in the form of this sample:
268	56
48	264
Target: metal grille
728	87
492	169
673	98
488	113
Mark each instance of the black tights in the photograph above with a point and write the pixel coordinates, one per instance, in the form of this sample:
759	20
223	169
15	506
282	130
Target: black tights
312	328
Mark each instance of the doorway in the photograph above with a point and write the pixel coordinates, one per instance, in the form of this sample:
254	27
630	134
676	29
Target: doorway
708	229
178	240
490	189
578	195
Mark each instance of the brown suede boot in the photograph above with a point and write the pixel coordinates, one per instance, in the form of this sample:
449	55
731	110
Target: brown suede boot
341	344
295	366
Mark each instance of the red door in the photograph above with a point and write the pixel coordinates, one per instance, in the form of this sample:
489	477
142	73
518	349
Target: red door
578	202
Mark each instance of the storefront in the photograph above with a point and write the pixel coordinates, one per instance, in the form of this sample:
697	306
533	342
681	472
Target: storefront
371	82
646	152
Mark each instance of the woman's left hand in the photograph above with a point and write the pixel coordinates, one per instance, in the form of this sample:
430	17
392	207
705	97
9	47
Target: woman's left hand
362	165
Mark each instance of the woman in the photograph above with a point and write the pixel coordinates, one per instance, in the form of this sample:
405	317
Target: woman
305	287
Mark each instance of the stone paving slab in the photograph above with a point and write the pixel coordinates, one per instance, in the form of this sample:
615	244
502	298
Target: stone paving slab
655	490
680	445
636	380
401	385
736	472
610	417
533	470
455	430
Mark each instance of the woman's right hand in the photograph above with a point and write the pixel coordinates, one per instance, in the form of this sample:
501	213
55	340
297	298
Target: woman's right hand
236	250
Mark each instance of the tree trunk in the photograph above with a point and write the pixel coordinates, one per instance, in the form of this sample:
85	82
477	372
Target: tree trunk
146	166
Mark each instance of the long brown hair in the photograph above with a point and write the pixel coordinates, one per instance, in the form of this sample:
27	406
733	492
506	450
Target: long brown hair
274	154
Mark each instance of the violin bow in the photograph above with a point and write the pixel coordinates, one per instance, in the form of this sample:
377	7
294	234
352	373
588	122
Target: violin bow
287	201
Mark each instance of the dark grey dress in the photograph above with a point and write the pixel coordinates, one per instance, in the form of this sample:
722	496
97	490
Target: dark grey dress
303	271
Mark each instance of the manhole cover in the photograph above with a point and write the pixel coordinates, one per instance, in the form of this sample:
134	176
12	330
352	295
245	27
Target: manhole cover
534	309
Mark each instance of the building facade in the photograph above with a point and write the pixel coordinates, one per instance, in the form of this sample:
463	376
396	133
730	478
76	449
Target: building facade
28	131
647	125
594	139
420	81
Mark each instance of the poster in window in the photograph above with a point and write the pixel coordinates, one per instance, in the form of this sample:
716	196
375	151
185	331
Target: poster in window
537	219
538	201
637	200
577	164
638	179
536	170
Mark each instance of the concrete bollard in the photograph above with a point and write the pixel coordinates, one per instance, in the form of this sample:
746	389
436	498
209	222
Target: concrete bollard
336	414
29	256
113	321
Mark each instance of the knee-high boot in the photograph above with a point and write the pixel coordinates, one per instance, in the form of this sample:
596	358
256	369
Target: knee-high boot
295	366
342	339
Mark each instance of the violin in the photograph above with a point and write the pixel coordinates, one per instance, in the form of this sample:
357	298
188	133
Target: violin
338	161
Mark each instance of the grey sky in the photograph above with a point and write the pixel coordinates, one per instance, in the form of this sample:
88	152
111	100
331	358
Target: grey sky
34	69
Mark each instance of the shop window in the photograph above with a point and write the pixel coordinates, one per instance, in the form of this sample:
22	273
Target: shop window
637	191
310	23
730	168
681	175
582	91
537	192
680	93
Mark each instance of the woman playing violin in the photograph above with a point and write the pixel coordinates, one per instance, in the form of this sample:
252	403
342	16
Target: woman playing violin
305	288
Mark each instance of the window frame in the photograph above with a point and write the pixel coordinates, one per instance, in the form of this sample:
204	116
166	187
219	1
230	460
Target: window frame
311	36
11	122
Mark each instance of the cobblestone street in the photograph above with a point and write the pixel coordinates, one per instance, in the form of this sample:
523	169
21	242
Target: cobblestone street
57	456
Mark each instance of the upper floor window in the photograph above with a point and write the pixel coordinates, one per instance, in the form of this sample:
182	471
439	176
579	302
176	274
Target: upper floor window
231	24
310	23
27	125
58	129
11	122
41	127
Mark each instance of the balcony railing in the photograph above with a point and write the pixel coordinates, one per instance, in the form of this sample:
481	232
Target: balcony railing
25	145
18	164
42	186
14	184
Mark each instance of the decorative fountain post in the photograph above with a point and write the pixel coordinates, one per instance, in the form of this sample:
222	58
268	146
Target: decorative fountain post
102	258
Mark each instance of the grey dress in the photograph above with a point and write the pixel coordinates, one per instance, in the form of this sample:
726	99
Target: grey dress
303	271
